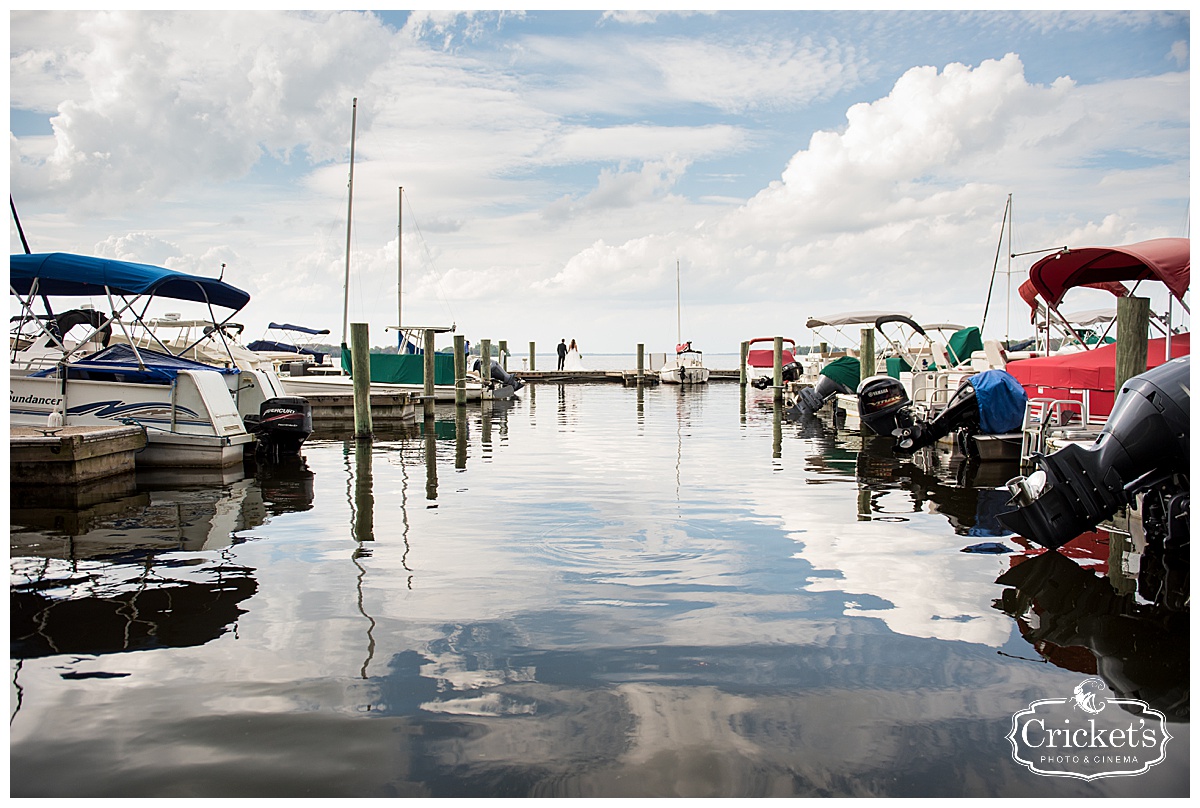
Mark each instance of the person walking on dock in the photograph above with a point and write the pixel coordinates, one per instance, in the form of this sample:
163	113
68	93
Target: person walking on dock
562	353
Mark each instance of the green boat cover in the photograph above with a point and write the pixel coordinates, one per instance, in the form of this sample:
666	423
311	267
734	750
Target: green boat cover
405	368
843	370
964	343
897	365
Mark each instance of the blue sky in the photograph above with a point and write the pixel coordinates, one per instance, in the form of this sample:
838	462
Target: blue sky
557	165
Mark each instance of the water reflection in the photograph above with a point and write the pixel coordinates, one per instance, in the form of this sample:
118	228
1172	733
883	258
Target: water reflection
1076	619
961	491
630	598
147	570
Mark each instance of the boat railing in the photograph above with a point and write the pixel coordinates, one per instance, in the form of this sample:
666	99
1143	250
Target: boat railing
1048	417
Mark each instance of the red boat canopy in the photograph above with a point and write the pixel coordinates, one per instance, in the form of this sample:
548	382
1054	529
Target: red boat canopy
1068	375
1165	259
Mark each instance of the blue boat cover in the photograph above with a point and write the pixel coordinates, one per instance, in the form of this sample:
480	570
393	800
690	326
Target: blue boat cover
120	360
300	328
1001	400
283	347
86	275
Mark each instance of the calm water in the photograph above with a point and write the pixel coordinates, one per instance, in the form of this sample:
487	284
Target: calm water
588	592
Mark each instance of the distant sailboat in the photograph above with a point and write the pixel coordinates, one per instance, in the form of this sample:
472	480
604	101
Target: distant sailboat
687	366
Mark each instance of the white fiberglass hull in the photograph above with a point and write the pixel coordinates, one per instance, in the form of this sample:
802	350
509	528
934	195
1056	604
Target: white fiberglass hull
684	368
192	423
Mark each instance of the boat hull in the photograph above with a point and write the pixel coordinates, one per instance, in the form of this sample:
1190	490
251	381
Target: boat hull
191	424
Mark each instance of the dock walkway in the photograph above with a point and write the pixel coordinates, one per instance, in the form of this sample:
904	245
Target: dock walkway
626	377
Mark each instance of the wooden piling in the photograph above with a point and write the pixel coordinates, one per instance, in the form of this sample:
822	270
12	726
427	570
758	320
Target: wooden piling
429	371
485	362
742	376
778	378
866	353
360	362
1133	324
641	365
532	356
460	370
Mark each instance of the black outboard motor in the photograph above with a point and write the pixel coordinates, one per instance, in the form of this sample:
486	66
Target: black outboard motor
791	372
1143	450
282	425
990	403
500	374
813	398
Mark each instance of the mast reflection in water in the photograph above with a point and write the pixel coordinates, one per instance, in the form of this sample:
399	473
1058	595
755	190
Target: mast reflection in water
624	592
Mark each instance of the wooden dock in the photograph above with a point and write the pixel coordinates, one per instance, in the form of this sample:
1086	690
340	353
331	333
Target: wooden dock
625	377
335	410
71	455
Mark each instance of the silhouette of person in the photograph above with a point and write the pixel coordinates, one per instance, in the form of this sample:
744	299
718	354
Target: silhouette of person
562	353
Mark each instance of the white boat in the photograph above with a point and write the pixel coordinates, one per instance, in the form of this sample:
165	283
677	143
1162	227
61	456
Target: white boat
760	362
687	366
185	407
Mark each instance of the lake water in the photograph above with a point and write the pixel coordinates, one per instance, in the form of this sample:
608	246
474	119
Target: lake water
592	591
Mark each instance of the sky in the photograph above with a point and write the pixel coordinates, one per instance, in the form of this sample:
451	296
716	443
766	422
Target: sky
616	177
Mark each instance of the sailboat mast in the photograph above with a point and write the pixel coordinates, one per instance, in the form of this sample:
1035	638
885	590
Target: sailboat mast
678	308
349	219
400	259
1008	310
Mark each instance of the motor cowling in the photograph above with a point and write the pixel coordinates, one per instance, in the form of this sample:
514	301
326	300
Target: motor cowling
790	372
884	405
282	424
1142	448
811	399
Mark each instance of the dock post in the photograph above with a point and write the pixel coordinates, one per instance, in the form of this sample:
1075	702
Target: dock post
866	354
460	370
485	362
778	379
429	370
641	366
532	356
742	365
504	354
1133	324
866	364
360	363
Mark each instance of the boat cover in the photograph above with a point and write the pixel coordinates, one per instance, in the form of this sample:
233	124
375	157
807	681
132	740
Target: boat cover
283	347
299	328
852	318
85	275
157	367
1164	259
1094	370
1001	401
963	343
843	370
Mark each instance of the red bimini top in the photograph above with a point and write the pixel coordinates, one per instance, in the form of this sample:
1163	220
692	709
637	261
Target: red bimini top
1168	260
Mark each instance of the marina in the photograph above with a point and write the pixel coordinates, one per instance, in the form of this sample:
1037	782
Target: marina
590	590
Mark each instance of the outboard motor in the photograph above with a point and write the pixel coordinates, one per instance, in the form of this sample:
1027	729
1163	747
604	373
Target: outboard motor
1142	450
991	403
883	405
282	425
500	374
813	398
791	372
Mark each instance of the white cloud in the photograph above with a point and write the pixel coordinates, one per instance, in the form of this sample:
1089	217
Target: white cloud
554	175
